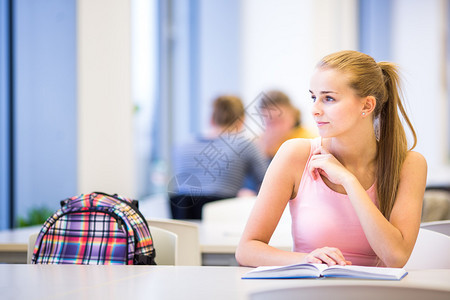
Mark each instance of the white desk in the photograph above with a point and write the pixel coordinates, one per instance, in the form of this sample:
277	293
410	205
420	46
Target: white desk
218	242
14	244
165	282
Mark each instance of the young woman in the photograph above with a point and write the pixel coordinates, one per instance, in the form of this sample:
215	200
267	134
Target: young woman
355	193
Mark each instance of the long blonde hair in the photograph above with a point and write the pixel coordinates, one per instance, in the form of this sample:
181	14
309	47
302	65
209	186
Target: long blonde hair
380	80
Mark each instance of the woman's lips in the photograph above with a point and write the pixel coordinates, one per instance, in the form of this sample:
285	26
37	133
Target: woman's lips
321	123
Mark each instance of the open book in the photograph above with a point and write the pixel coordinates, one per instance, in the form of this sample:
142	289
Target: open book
322	270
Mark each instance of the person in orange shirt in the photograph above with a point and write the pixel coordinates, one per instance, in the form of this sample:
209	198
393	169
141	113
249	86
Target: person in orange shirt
282	122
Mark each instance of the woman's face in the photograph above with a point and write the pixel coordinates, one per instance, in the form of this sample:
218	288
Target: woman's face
336	107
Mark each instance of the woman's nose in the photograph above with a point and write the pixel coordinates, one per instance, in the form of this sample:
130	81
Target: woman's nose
316	109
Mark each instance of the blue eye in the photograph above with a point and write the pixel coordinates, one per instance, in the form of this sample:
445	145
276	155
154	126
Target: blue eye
329	99
313	98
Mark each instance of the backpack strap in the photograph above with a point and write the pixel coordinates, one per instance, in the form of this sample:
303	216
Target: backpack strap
141	259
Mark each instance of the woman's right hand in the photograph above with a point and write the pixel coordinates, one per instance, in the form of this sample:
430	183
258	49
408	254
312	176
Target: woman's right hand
327	255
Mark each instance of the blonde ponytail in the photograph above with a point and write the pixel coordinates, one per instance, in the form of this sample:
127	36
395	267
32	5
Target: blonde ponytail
380	80
392	144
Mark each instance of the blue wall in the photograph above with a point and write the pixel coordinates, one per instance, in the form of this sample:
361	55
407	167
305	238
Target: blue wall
45	103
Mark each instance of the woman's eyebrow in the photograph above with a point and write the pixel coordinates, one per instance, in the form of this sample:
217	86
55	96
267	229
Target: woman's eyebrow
325	92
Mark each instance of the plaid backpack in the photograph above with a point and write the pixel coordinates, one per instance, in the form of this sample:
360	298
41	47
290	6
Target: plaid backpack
95	228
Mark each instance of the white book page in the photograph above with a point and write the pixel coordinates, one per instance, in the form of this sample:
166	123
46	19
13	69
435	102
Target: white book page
375	272
296	270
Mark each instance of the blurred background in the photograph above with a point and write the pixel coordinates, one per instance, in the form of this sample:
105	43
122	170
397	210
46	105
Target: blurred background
94	93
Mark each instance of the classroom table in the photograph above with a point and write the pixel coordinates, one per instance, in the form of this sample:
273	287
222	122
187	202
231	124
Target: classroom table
218	242
19	281
14	244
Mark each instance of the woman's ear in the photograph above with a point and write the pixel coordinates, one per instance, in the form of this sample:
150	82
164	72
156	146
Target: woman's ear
369	105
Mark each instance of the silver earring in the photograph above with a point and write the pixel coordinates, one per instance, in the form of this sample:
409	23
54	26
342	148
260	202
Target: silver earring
376	127
363	113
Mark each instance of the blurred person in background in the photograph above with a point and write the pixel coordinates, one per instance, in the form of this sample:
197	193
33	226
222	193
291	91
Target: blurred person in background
282	122
213	166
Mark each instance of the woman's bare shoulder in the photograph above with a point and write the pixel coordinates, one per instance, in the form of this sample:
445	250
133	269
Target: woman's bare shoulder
292	156
298	149
415	155
415	160
414	166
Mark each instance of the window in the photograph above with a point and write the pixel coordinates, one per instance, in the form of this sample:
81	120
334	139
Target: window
38	147
5	115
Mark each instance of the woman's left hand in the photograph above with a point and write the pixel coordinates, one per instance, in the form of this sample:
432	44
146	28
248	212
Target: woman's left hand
324	163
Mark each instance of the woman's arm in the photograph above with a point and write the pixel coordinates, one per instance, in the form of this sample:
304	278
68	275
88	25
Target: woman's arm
280	184
392	240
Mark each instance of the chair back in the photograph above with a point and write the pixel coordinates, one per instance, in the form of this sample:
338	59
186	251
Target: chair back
233	214
188	239
436	204
31	241
166	245
431	251
226	210
438	226
235	210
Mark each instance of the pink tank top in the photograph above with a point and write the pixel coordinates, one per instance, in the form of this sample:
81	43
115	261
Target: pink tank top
322	217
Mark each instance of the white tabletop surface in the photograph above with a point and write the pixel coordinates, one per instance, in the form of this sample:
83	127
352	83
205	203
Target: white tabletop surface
167	282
